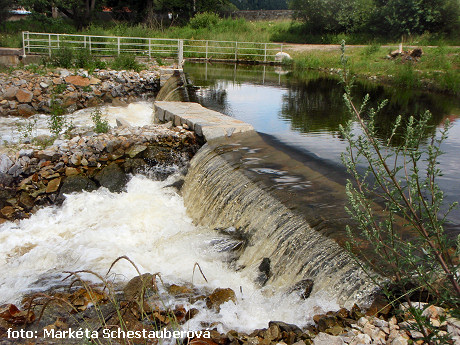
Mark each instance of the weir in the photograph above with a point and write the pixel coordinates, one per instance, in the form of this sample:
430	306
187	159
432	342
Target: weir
277	244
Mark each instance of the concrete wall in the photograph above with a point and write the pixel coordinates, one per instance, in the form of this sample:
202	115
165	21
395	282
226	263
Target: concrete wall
263	14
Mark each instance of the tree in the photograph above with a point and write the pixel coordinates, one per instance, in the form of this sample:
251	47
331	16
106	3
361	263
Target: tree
5	7
80	11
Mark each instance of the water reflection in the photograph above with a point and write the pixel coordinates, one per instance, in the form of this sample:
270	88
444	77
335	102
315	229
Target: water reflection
305	110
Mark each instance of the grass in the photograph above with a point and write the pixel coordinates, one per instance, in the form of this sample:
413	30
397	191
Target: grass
438	68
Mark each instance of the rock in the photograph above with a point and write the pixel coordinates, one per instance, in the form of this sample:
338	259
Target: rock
7	211
325	322
26	201
137	286
134	150
5	163
179	290
112	177
48	154
70	99
304	287
53	185
399	341
94	81
77	183
69	171
26	110
24	96
6	180
286	327
220	296
15	170
26	153
44	85
10	93
281	56
326	339
77	80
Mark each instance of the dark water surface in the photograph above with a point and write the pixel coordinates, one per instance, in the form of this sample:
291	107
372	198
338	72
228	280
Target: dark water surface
301	115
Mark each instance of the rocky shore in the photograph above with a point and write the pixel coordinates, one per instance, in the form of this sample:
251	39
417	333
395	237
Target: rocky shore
31	176
27	92
139	307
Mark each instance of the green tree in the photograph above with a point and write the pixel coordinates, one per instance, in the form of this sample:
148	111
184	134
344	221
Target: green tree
80	11
5	7
405	17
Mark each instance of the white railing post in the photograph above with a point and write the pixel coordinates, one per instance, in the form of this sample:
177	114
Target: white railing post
84	41
23	45
281	49
118	44
265	53
236	51
181	53
207	44
150	48
58	43
89	42
28	42
49	45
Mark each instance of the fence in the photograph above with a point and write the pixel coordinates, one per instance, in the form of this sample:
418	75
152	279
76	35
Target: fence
46	43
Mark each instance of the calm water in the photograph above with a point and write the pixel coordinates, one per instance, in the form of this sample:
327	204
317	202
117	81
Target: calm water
304	112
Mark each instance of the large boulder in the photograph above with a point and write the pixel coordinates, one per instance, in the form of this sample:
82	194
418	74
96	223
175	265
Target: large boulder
112	177
75	184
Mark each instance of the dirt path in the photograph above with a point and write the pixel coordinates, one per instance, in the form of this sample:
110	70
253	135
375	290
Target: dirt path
298	48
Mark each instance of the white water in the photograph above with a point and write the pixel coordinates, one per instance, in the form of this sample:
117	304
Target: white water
147	223
136	114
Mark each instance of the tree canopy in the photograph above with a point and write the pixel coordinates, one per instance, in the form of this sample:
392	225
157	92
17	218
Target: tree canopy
387	17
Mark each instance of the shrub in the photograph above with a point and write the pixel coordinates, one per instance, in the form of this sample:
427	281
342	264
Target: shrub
63	57
406	235
204	20
127	62
101	125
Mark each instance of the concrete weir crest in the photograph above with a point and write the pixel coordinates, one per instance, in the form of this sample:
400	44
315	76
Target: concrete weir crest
207	123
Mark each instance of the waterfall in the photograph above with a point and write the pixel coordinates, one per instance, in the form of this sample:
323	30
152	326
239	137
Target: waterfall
218	195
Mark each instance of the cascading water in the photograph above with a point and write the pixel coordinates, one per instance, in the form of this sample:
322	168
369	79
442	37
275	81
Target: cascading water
218	195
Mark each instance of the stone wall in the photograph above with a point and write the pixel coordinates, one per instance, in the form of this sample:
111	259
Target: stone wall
263	14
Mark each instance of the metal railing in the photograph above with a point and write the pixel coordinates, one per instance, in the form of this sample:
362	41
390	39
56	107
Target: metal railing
46	43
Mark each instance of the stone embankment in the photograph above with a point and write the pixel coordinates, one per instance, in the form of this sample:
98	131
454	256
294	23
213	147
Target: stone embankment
31	177
27	92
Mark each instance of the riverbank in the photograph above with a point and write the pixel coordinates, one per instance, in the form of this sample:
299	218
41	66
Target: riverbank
37	89
437	69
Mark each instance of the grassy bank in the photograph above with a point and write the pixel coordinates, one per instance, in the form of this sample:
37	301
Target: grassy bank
438	69
209	26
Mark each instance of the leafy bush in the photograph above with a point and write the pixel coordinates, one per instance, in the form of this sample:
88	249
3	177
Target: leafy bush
63	57
127	62
101	125
204	20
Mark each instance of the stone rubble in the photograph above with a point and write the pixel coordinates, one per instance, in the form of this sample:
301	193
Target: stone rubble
31	176
140	303
24	93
